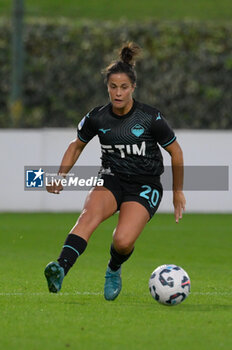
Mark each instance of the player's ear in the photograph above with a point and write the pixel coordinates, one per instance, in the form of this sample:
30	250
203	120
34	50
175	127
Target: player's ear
134	86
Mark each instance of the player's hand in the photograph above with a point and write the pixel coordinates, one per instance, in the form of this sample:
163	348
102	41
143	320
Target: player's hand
179	204
55	187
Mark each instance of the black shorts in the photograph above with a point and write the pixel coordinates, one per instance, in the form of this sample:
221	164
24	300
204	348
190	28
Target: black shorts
131	188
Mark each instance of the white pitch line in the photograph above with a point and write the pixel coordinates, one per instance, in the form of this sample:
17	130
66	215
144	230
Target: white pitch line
212	293
100	293
47	293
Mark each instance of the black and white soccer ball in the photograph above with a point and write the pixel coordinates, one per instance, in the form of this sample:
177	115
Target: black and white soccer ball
169	284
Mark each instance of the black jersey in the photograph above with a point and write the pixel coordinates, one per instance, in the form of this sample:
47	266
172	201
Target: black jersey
129	143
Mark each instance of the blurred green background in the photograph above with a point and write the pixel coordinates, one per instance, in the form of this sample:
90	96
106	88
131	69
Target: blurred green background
133	10
186	70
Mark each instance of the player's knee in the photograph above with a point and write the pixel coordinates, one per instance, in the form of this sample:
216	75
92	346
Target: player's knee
122	244
88	218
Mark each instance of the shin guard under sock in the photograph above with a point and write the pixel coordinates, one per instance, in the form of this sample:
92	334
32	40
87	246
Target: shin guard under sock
117	259
73	247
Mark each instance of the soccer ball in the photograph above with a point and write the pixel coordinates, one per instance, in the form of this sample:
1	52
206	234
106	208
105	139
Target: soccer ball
169	284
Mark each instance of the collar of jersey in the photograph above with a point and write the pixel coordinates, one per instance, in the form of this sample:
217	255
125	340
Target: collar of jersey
125	115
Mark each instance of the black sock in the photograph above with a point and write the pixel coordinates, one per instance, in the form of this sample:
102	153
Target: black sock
117	259
73	247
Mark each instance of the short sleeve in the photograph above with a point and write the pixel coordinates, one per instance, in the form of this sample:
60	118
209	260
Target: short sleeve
85	129
162	131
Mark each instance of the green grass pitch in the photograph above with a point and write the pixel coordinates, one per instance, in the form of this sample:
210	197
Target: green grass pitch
80	318
130	9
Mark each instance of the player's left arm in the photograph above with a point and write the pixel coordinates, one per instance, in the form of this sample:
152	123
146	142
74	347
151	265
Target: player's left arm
179	201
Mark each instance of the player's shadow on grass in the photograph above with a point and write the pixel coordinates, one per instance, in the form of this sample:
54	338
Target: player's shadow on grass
203	307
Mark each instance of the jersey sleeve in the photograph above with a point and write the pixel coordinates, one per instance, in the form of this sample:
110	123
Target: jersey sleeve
162	131
85	129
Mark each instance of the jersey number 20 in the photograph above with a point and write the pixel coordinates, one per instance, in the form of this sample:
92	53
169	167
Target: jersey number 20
150	194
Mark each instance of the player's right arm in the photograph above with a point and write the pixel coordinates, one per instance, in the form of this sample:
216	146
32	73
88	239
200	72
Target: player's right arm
69	159
85	132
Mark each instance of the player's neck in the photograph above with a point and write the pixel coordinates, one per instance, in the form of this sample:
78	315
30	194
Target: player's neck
124	110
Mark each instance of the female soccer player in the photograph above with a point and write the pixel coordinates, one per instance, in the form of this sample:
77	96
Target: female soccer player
129	133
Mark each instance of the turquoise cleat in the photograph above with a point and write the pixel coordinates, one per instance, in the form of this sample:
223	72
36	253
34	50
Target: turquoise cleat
113	284
54	274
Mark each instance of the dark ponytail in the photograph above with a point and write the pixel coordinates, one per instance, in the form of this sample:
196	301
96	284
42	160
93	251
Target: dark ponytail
126	64
128	53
